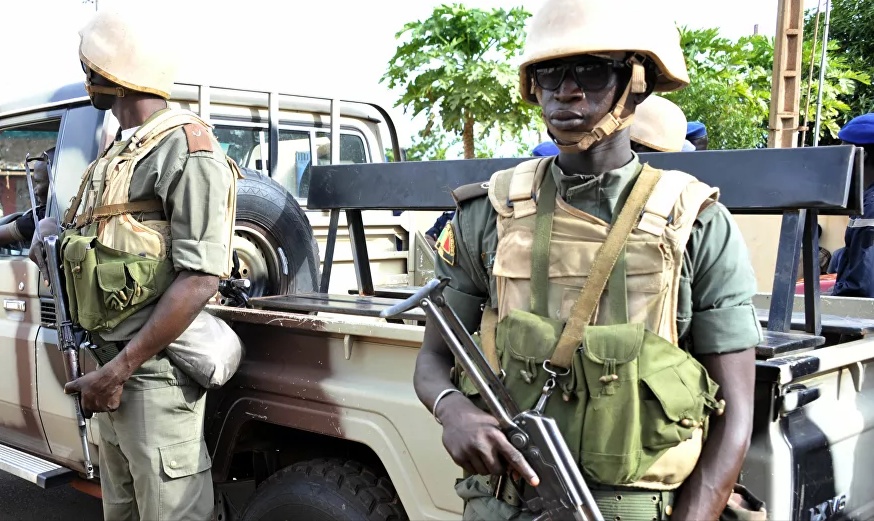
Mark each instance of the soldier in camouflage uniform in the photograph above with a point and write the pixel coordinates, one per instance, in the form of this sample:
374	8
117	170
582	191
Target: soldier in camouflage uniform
147	239
656	394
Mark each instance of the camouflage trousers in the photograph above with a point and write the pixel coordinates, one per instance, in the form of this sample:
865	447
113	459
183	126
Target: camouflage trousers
480	504
154	465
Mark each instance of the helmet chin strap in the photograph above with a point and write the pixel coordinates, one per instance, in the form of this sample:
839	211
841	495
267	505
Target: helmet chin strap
92	89
616	120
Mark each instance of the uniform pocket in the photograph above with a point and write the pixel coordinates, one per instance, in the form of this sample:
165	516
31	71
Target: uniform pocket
526	341
671	410
185	459
79	263
610	449
185	491
126	284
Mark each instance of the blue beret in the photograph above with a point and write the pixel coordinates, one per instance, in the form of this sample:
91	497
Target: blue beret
859	131
695	130
547	148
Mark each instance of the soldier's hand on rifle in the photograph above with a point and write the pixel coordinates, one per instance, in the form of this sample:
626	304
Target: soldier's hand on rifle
475	442
100	390
47	226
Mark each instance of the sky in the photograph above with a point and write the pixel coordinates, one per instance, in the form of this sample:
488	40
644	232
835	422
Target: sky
332	45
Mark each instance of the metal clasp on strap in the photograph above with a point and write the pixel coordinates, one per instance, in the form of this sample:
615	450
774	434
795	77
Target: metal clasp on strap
548	387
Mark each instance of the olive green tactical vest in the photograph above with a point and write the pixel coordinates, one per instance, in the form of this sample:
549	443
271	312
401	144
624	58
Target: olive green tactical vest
115	265
633	407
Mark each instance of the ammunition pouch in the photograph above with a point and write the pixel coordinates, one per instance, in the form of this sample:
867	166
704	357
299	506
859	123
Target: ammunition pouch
105	285
628	399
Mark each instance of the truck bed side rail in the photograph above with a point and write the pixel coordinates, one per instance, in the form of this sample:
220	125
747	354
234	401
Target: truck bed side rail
799	183
766	181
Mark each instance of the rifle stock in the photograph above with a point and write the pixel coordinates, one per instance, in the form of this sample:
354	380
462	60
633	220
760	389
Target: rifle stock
562	492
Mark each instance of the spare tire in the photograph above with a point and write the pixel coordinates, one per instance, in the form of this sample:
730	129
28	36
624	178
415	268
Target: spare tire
273	239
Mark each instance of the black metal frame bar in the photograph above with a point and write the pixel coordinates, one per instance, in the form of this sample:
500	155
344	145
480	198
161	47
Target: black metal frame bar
328	263
766	181
800	184
786	271
360	257
810	256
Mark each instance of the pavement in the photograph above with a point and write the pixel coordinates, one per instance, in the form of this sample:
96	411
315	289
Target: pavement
23	501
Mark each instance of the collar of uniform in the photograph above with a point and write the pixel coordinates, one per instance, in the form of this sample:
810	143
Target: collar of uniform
596	194
127	133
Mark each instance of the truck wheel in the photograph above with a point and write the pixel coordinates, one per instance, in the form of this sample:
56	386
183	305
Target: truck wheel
273	239
325	490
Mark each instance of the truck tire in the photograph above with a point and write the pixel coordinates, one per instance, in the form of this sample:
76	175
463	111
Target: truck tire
273	239
325	490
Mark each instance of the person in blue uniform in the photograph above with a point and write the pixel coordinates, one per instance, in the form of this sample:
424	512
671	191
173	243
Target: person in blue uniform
696	133
855	267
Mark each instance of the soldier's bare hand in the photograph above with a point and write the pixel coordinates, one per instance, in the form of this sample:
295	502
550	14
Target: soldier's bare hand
100	390
47	226
475	442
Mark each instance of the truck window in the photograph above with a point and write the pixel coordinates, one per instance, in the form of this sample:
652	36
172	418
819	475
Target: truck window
15	143
352	150
249	147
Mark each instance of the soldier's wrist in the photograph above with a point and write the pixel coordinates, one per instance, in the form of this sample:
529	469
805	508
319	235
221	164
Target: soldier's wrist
450	407
120	367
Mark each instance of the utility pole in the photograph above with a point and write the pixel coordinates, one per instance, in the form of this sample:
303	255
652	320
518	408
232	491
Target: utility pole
822	66
786	79
91	2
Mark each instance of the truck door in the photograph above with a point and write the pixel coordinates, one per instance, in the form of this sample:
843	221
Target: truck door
78	144
20	424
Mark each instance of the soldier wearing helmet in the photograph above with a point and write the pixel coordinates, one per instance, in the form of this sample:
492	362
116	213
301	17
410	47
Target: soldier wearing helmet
146	240
659	126
646	332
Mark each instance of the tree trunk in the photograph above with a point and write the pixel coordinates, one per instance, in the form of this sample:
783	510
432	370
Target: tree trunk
467	138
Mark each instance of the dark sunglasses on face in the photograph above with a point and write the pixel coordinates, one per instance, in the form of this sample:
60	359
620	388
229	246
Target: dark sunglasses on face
590	74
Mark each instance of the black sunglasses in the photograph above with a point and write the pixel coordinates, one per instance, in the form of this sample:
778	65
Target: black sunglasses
590	74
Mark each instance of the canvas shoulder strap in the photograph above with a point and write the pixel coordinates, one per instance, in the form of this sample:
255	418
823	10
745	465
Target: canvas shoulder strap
584	308
143	140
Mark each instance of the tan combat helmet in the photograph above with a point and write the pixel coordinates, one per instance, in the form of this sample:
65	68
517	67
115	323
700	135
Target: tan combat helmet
615	28
130	50
659	124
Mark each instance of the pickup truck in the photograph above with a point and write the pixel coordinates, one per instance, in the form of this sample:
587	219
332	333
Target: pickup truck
321	420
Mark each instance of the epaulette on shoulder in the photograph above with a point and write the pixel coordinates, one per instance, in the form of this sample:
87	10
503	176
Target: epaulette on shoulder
471	191
198	138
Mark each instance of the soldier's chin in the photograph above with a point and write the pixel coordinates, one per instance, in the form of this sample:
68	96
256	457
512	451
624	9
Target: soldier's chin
102	101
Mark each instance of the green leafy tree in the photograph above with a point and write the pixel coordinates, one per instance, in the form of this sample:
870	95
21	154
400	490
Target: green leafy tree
457	67
842	81
851	27
731	86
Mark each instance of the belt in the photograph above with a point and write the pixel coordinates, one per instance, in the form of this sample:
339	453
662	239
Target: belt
631	504
103	351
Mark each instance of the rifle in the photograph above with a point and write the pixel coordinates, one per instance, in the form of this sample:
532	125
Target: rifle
562	492
67	332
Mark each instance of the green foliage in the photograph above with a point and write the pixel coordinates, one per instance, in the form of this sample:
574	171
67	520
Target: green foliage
731	86
457	68
850	28
841	83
